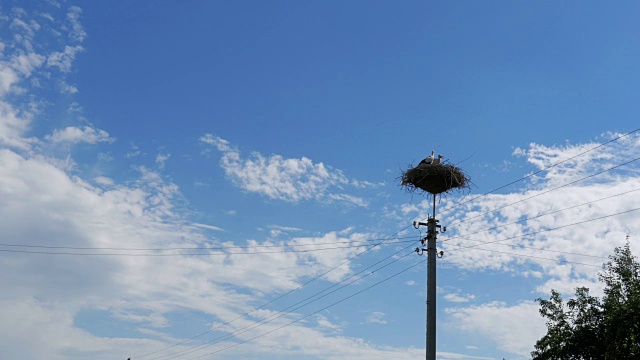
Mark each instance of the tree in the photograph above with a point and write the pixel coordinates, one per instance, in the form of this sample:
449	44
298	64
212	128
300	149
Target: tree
591	328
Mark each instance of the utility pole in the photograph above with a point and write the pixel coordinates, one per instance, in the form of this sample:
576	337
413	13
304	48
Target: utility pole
433	176
432	255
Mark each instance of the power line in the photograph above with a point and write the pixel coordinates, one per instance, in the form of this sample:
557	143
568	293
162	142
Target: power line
392	276
544	192
550	229
195	254
349	259
460	249
293	307
534	248
193	248
310	297
540	215
528	256
313	313
537	172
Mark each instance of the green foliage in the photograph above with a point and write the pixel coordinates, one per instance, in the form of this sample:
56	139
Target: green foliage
587	327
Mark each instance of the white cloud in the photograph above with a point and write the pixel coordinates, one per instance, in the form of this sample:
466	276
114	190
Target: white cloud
208	227
349	199
75	135
63	60
410	283
459	298
15	120
103	180
283	179
284	228
514	328
348	244
325	323
365	184
69	89
26	64
566	286
13	126
22	67
76	31
376	317
161	159
408	208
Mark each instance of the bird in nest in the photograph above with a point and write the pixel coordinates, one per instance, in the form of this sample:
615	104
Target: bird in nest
431	159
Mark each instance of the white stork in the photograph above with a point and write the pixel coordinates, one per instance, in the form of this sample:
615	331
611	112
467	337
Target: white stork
428	160
437	161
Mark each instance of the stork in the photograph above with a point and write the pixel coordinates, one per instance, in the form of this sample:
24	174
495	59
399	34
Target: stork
428	160
437	161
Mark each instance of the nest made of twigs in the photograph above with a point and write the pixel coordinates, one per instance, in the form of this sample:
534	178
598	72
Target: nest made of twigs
434	179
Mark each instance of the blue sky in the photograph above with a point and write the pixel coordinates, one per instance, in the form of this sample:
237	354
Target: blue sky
265	132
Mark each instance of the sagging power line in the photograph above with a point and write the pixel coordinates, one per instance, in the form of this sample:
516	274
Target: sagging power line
196	254
345	262
447	209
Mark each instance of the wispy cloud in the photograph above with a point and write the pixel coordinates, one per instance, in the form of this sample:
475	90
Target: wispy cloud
161	159
279	178
27	65
459	298
63	60
208	227
76	135
376	317
77	32
103	180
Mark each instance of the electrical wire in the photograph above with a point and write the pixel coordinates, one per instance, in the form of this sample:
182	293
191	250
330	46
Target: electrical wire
532	248
299	302
530	256
544	192
294	307
537	172
313	313
538	216
195	254
348	260
191	248
373	285
550	229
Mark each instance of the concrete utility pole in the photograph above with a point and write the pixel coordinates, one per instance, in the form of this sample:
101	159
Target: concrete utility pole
433	176
432	255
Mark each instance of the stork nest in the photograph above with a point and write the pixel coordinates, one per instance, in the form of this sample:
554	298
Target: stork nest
434	179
